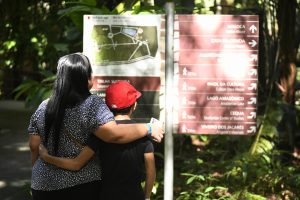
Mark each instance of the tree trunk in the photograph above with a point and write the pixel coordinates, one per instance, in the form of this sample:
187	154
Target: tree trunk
287	72
288	49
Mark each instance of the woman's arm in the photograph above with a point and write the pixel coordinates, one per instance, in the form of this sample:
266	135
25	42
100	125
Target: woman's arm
34	142
150	173
73	164
125	133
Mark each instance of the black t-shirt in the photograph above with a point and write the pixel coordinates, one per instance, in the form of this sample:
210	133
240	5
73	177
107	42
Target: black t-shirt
122	166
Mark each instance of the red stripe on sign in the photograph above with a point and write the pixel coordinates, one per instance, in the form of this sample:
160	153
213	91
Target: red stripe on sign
217	128
100	83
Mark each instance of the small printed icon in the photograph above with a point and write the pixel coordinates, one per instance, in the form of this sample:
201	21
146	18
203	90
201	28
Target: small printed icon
252	100
252	43
252	115
184	88
252	129
253	86
253	72
253	57
253	28
184	101
184	71
183	129
183	115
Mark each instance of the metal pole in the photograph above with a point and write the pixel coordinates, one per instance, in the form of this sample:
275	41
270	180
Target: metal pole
169	159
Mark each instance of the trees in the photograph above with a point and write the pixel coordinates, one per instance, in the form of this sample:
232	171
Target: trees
32	38
220	166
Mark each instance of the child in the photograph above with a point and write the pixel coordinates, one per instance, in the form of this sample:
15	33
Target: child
122	164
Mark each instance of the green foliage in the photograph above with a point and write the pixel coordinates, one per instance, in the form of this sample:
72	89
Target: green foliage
76	10
236	176
32	40
222	167
35	91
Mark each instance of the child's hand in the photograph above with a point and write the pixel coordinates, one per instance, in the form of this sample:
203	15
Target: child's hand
43	151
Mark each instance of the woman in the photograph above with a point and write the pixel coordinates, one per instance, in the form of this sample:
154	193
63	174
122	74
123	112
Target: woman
123	165
72	109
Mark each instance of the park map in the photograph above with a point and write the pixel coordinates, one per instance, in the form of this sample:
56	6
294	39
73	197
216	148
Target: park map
122	44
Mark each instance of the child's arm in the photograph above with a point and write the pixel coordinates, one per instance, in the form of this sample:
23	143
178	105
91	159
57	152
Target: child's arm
150	173
73	164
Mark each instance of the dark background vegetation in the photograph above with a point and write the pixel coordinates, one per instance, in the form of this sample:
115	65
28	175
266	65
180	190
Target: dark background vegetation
35	33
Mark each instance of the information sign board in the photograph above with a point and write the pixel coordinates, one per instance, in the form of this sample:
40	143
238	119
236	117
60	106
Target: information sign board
216	60
127	47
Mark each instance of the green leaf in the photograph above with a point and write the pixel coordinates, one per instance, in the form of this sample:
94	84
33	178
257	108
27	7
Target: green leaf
187	174
61	47
50	79
97	11
89	2
190	180
200	177
266	158
199	161
209	189
74	9
24	88
221	188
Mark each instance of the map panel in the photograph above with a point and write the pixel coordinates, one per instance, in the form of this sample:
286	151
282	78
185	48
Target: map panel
122	44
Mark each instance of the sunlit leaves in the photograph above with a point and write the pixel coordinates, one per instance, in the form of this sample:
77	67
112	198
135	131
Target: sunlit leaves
40	43
9	44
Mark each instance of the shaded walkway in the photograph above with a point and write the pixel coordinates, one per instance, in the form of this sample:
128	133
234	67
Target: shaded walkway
15	167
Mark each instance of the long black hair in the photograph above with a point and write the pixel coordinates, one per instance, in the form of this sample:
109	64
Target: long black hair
70	88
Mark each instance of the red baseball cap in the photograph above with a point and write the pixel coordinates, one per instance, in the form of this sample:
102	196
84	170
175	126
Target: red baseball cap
120	95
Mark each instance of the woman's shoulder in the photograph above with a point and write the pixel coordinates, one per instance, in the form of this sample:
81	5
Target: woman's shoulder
43	104
94	100
41	108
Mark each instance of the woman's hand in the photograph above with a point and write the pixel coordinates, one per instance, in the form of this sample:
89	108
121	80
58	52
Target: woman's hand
43	151
157	132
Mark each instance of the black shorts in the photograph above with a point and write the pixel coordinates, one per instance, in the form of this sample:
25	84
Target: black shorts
88	191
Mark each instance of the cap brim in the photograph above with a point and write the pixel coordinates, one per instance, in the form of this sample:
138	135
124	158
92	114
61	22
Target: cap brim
138	95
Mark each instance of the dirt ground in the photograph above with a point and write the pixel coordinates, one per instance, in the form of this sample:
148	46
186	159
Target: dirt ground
15	166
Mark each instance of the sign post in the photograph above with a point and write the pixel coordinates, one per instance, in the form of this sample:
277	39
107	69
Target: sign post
169	158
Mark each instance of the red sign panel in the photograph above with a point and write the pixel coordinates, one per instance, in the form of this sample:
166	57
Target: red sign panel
100	83
216	60
217	128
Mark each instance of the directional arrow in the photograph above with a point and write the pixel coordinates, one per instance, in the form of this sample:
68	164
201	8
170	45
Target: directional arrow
253	72
252	129
184	71
184	86
253	28
252	100
253	86
252	43
252	115
253	57
183	115
184	100
183	128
